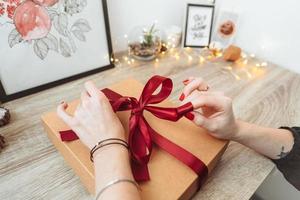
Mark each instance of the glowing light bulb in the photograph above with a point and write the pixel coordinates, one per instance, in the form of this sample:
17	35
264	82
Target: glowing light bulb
237	77
248	74
202	59
264	64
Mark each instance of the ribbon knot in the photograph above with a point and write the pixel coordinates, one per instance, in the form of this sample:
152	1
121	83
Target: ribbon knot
141	136
137	111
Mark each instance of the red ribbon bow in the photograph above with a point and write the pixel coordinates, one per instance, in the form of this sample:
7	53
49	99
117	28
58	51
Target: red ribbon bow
141	135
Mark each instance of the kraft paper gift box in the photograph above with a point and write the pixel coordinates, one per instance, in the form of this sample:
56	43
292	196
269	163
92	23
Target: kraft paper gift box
169	178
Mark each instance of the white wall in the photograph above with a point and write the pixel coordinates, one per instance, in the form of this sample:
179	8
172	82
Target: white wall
127	14
268	28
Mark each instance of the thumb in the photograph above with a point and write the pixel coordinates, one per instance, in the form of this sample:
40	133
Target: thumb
203	122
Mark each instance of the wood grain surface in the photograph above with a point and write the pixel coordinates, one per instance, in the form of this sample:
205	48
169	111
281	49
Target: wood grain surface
31	168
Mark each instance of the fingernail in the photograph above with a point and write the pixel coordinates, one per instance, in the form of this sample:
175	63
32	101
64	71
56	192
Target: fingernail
185	81
182	96
190	116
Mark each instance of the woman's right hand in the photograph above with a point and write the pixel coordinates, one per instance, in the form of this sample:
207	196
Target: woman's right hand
213	110
94	119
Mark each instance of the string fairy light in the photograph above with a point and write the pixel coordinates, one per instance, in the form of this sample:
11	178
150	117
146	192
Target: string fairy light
252	55
246	67
201	59
264	64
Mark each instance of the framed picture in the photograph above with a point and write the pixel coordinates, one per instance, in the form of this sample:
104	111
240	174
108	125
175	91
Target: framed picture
198	25
226	28
45	43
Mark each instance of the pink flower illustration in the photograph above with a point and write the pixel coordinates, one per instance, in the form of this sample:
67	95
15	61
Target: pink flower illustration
32	21
16	2
46	3
2	9
10	9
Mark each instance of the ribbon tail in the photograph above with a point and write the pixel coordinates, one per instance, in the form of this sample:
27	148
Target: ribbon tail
182	155
68	135
140	172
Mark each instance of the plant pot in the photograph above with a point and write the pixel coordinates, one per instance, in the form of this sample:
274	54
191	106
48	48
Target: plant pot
144	43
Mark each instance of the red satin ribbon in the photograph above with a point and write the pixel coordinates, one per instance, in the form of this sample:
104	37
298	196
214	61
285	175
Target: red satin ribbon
141	135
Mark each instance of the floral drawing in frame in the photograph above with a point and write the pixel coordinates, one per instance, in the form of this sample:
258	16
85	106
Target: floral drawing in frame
56	39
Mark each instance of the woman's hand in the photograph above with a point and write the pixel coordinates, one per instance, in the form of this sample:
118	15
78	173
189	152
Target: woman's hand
94	119
213	111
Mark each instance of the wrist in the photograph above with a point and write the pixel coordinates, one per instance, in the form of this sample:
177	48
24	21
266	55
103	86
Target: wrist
237	135
110	152
110	163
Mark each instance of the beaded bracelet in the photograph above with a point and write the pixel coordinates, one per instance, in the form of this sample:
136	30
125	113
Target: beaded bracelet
107	142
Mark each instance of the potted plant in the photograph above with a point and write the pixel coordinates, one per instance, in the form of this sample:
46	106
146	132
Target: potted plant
144	43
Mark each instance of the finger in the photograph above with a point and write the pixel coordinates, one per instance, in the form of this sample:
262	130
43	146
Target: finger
188	80
213	93
198	94
196	84
91	89
202	121
94	92
84	98
61	111
212	101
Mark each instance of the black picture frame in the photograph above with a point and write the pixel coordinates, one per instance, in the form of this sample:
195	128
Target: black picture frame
5	98
212	6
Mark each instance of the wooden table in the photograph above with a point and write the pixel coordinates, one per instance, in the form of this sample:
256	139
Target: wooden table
31	168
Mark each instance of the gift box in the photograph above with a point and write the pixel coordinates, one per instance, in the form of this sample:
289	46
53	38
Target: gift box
173	171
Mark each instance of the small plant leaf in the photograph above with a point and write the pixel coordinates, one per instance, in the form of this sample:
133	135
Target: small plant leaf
52	13
40	49
64	48
60	23
51	42
79	35
14	38
81	24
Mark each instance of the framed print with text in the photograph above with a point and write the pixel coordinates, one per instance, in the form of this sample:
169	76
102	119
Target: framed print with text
198	25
